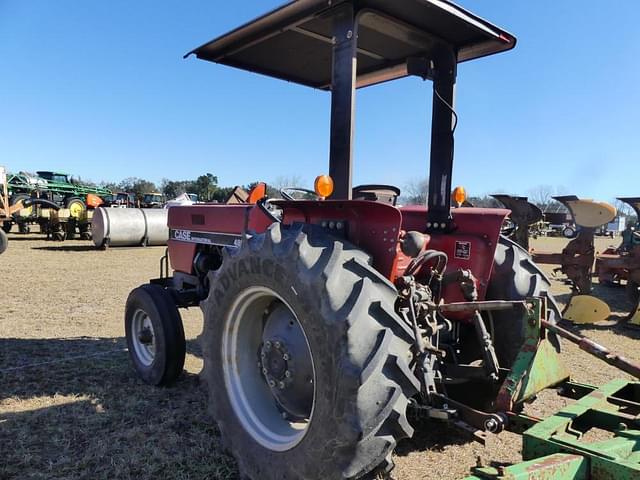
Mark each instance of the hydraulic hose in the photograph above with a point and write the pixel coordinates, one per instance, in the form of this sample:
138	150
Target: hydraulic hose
40	201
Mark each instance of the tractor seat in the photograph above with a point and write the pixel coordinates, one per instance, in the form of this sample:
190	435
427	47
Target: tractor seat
376	193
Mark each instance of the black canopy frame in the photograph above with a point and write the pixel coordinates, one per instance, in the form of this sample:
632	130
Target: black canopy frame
341	45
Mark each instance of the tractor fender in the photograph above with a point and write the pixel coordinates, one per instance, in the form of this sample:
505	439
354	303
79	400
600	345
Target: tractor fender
470	245
374	227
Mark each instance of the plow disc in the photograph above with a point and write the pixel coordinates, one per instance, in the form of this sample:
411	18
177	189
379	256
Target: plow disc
523	215
586	309
576	260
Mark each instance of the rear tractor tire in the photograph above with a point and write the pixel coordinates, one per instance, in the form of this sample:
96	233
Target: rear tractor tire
515	277
305	359
155	335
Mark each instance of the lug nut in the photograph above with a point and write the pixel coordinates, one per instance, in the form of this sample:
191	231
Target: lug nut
264	371
280	385
285	356
267	344
272	383
287	374
277	344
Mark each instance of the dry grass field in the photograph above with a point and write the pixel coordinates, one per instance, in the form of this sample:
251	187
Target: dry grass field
71	408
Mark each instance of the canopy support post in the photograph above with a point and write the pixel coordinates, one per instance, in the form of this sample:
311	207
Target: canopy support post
442	124
343	87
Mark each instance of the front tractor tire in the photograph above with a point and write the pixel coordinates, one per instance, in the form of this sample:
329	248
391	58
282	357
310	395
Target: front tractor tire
305	359
155	335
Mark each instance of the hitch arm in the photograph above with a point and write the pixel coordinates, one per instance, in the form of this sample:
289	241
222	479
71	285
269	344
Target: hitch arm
595	349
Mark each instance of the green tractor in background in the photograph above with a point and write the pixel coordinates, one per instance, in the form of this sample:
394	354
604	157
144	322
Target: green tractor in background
59	189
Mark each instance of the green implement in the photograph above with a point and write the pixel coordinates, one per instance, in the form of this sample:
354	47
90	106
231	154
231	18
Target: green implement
559	447
51	182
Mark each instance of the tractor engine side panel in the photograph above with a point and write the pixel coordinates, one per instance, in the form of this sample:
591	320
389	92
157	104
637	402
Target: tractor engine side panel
471	246
210	224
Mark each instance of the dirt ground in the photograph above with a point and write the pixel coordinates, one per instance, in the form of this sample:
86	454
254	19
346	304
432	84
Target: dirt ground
70	406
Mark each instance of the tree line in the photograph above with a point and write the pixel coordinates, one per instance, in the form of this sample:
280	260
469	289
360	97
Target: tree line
416	192
205	186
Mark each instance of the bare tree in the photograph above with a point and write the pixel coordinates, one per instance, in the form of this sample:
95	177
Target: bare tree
284	181
624	209
542	196
485	201
416	192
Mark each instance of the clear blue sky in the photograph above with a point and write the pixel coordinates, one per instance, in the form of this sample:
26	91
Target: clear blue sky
100	89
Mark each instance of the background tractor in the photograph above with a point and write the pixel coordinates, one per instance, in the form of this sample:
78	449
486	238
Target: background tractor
153	200
327	319
120	200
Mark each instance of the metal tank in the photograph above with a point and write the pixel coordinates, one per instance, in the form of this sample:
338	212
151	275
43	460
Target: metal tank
119	227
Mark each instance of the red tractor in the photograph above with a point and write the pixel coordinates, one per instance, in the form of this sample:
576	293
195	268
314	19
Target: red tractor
326	319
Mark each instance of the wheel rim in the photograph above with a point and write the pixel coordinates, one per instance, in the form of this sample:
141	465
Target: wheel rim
268	369
143	337
76	209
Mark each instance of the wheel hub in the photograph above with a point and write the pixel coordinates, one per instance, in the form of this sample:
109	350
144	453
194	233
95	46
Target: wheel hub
143	337
146	336
276	418
286	365
274	360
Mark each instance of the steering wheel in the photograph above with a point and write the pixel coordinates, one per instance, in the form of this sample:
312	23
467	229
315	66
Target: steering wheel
287	196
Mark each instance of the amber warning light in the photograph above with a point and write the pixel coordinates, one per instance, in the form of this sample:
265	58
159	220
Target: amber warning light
459	196
323	186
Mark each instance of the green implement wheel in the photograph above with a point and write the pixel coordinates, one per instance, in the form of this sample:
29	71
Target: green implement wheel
305	359
76	207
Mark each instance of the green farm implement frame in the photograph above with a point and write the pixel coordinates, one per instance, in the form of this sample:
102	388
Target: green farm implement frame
51	183
597	437
52	200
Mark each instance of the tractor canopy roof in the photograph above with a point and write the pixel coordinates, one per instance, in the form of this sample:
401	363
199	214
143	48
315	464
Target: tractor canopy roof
294	42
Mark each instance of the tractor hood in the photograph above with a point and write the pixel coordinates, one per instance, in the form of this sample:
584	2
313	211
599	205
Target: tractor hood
294	42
